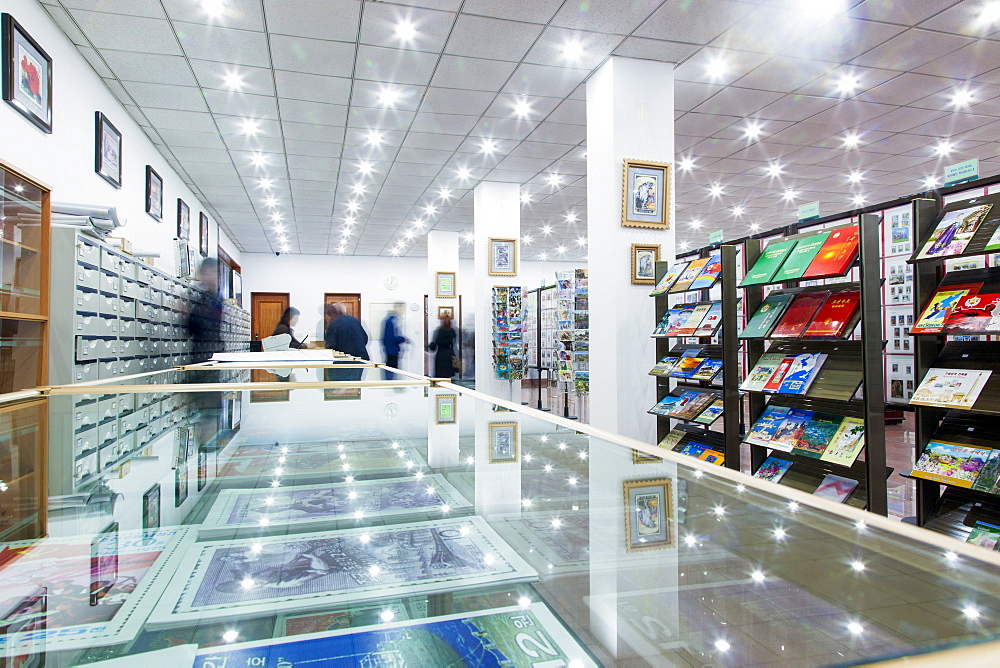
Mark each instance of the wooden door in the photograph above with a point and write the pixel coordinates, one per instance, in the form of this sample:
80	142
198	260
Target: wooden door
266	309
351	302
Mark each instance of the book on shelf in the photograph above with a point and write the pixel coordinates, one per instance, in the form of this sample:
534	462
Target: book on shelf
674	437
846	444
788	433
707	370
954	232
799	314
690	326
690	408
762	371
676	317
818	434
669	278
974	314
773	383
985	535
932	319
798	261
837	254
767	424
711	322
763	320
951	463
836	487
990	475
712	457
803	372
950	388
686	367
709	273
693	270
664	366
692	449
665	405
993	244
768	263
837	316
773	469
710	414
661	327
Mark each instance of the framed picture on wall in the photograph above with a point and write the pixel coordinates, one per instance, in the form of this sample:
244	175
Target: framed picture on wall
180	485
446	312
644	259
503	257
183	220
503	443
108	151
446	284
446	408
154	194
203	234
103	562
646	195
27	75
648	515
151	508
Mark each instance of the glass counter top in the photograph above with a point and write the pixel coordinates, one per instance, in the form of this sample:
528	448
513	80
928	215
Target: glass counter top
407	524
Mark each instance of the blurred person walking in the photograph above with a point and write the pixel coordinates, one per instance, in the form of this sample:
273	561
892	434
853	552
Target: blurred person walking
205	319
392	339
345	333
443	347
289	319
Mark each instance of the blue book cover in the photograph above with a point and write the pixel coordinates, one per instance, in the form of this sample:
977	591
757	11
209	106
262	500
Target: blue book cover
666	405
765	427
694	449
803	372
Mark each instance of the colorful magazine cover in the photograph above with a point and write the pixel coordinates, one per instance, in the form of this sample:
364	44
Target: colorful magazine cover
951	463
762	372
836	488
950	388
954	232
711	414
687	367
669	278
787	435
707	370
985	535
818	434
846	444
665	405
933	317
764	428
974	314
990	475
773	469
802	373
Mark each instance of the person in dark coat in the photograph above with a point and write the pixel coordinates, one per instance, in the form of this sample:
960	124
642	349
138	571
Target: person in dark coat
345	333
288	320
392	339
205	319
443	347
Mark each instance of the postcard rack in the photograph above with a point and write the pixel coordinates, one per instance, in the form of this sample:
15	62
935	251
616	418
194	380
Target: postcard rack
850	365
726	384
947	508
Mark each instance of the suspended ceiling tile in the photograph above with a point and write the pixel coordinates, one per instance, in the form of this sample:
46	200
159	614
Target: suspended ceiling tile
311	132
217	75
737	101
796	108
245	105
844	39
912	49
593	48
394	65
126	33
380	20
494	39
656	49
240	14
159	96
450	100
314	56
443	123
321	19
212	42
315	113
699	24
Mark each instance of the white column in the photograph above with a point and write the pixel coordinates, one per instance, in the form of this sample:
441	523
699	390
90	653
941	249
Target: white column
497	214
442	256
630	114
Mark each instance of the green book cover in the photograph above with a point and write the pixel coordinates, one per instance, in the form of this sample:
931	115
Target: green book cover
798	260
763	321
767	264
817	435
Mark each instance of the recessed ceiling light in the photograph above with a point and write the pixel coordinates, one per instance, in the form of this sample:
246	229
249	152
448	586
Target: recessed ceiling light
855	628
858	199
856	176
230	636
971	611
258	160
271	202
249	126
737	211
463	173
276	216
279	229
264	183
962	98
350	221
989	13
554	179
353	206
715	190
944	147
525	198
213	8
931	182
722	645
365	167
522	109
444	193
851	140
789	195
232	80
717	68
847	84
395	250
696	223
753	130
754	227
430	210
572	50
388	96
526	240
571	217
774	169
489	147
686	164
561	249
408	234
470	237
374	138
359	188
543	256
685	244
546	230
581	241
405	31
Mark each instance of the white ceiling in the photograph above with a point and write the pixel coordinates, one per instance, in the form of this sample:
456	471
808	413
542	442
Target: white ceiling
313	71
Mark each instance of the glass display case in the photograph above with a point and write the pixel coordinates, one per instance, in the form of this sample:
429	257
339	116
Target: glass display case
411	523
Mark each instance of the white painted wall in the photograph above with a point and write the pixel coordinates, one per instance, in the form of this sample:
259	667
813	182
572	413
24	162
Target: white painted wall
307	277
64	160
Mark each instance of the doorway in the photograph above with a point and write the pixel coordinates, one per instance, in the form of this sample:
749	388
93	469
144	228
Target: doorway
351	302
266	309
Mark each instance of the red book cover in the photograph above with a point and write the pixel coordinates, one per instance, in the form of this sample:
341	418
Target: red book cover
836	314
974	314
799	314
774	383
837	254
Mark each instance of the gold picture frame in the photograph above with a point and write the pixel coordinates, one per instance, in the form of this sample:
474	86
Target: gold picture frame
503	257
504	443
646	192
640	457
446	311
644	259
446	409
649	515
445	285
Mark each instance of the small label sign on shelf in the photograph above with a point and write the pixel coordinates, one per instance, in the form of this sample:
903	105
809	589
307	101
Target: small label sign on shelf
961	172
809	211
715	237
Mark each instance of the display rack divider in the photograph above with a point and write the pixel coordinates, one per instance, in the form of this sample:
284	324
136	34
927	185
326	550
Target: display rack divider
752	299
732	411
